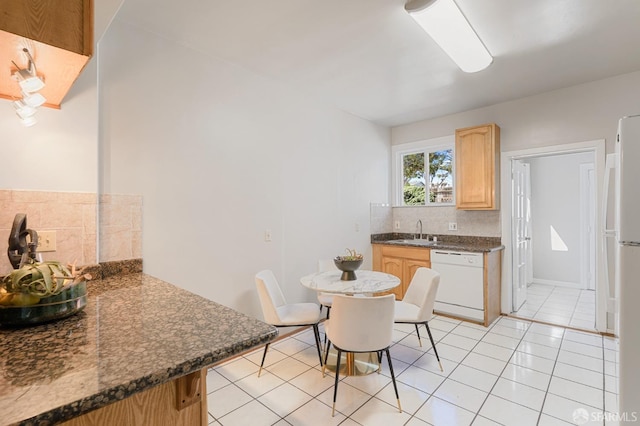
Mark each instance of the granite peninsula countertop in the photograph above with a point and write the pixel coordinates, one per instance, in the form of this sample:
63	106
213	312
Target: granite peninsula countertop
445	242
135	332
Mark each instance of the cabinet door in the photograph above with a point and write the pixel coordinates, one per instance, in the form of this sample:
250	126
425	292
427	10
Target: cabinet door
393	266
477	161
401	262
409	270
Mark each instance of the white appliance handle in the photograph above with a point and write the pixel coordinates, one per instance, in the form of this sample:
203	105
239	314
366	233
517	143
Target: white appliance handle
611	164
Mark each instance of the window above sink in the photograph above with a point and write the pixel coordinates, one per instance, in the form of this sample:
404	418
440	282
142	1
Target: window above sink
423	173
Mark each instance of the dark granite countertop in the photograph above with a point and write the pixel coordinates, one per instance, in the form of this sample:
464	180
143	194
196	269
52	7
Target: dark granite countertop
445	242
135	332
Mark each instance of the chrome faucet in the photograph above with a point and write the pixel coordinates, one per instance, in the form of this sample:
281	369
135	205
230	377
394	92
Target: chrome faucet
418	227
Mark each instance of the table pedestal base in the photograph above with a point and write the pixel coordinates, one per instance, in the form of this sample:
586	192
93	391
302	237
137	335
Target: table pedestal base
353	364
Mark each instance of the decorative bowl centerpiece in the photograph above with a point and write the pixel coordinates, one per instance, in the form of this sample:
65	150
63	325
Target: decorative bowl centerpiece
348	264
40	292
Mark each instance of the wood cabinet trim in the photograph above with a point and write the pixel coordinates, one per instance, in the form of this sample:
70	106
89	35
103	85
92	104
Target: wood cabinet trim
416	253
492	286
154	406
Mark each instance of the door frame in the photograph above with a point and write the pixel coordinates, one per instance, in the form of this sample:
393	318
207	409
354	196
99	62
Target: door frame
587	227
598	147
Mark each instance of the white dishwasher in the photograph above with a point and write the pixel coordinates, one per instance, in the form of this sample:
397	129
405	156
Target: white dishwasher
461	289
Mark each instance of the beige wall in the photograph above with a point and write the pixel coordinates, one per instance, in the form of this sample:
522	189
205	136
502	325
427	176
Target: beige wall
575	114
60	152
225	155
580	113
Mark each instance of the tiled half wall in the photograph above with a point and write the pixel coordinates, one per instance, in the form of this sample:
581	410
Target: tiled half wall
74	217
120	227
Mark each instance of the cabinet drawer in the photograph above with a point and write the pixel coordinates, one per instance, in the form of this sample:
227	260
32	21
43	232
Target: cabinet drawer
416	253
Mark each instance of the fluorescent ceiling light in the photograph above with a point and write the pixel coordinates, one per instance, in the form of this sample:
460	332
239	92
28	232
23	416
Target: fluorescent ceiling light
445	23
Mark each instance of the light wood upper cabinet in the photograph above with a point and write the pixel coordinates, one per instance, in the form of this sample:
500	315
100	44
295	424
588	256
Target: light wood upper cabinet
59	36
478	167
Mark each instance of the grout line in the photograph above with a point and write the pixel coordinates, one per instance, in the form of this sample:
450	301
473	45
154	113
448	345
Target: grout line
406	335
549	298
496	382
448	377
546	393
445	377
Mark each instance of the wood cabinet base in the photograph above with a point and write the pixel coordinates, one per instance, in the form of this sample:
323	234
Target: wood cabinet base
157	406
401	262
492	286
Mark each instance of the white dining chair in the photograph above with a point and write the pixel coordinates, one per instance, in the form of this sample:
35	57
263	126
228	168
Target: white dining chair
360	324
417	305
279	313
325	299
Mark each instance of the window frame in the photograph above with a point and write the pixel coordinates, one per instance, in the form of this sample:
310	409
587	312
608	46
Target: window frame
424	146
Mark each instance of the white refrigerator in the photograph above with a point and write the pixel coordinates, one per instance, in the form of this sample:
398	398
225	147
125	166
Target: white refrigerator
626	239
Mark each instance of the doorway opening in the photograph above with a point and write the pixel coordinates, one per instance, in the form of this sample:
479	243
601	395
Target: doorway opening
549	232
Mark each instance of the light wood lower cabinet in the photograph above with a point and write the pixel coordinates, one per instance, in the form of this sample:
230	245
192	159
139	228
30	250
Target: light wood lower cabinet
181	402
401	262
492	286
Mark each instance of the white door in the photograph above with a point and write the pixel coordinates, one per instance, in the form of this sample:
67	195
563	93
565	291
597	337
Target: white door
528	247
520	219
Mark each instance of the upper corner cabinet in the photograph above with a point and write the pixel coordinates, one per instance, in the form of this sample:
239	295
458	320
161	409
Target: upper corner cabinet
478	167
57	34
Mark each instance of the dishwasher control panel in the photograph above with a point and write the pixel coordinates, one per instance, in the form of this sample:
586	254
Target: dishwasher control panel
457	258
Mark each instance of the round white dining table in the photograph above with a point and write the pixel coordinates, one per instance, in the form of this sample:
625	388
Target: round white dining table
366	282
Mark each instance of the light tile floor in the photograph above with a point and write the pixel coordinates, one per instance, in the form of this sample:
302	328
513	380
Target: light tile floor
560	305
514	372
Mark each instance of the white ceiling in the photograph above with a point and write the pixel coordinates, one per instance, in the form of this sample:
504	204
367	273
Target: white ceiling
369	57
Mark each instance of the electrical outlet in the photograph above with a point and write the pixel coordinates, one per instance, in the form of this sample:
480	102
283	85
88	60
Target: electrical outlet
397	224
453	226
357	227
267	235
46	241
